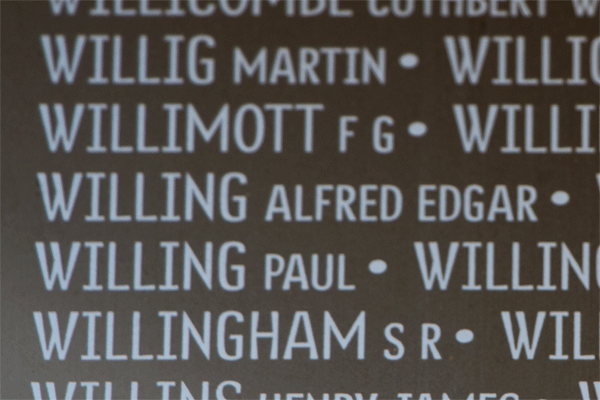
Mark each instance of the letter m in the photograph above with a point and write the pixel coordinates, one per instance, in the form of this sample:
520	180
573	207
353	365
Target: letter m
60	64
54	342
242	65
358	328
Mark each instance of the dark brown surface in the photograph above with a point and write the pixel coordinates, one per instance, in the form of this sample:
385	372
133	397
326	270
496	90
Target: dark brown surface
426	93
